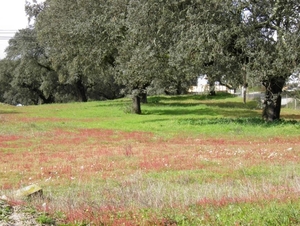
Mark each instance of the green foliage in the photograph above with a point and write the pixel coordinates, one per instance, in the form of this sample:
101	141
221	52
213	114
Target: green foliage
5	211
82	44
32	79
45	219
94	50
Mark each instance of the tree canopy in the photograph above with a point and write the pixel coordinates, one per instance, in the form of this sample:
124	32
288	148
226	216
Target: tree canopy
115	47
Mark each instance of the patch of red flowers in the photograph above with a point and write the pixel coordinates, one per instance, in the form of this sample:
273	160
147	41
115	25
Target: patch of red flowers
85	153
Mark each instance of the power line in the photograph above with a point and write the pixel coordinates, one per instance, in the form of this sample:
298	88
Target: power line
4	38
8	31
6	34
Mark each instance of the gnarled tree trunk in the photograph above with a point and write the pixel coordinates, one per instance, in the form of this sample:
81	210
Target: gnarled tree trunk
272	102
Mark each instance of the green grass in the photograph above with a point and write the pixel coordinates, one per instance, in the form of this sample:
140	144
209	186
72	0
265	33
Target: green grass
162	115
186	160
268	212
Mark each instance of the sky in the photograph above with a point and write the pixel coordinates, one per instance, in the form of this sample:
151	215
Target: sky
12	18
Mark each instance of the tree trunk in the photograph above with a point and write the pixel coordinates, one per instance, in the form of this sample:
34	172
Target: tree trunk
136	104
81	91
212	90
178	88
144	99
42	99
245	95
272	102
245	86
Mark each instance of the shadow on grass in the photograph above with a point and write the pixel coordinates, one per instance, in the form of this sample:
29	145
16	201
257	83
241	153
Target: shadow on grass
227	105
238	105
203	112
181	98
203	108
254	121
9	112
290	116
196	100
181	111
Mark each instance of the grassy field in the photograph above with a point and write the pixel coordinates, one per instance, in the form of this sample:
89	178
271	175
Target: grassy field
187	160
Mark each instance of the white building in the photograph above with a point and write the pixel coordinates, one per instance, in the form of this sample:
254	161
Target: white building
203	86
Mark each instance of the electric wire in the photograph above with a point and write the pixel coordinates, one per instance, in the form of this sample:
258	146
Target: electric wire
6	34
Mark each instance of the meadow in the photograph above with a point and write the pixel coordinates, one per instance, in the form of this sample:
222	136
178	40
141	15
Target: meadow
186	160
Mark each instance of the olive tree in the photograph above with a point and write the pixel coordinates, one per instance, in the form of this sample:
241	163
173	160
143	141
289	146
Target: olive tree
273	47
32	71
82	43
240	40
144	56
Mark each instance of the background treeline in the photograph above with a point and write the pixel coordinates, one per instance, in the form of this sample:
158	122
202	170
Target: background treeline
95	49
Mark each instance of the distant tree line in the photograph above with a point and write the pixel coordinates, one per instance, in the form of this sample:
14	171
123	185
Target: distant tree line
105	49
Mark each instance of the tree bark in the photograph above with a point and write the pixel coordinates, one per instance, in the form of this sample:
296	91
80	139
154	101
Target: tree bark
144	99
212	91
245	92
81	91
136	104
272	102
